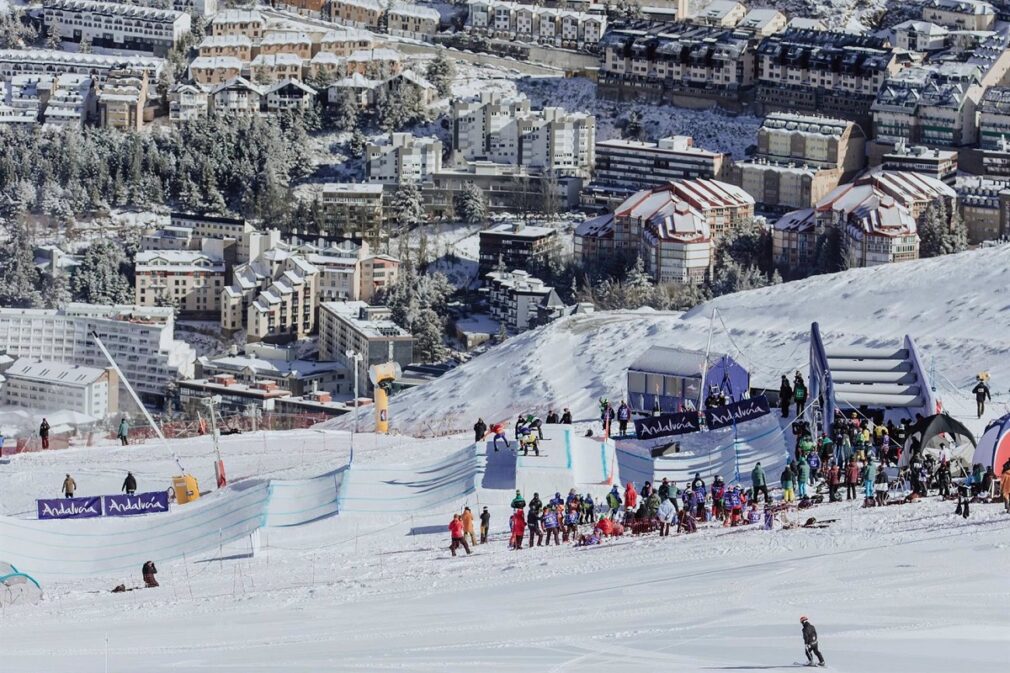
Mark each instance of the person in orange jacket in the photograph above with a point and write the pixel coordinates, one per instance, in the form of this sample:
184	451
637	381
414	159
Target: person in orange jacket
1004	483
605	526
468	526
456	533
498	429
517	522
630	496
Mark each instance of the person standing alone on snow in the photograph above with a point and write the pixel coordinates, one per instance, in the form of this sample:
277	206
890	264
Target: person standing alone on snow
456	533
785	396
623	416
479	430
69	486
485	525
124	431
799	393
981	391
44	433
810	642
130	484
149	571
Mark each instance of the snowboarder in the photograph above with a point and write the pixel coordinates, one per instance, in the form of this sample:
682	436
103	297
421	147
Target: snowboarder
534	423
456	533
566	417
44	433
468	526
69	486
623	416
799	393
499	433
810	642
981	391
785	396
124	431
588	509
759	483
130	484
479	430
149	571
485	525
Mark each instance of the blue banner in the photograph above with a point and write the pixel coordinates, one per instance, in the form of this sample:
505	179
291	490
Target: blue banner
737	412
141	503
70	508
665	425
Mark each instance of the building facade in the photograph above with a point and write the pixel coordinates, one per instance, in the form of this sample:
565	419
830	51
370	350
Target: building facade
47	386
111	25
188	280
366	330
514	246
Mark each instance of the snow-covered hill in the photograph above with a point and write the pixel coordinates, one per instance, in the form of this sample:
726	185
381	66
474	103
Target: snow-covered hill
957	308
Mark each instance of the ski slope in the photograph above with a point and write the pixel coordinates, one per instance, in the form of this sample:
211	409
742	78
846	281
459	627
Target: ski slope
955	306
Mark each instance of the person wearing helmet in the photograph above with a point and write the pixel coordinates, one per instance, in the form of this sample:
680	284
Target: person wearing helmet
810	642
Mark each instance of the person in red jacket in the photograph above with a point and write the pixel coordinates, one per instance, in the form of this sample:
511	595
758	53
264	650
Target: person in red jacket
851	479
630	496
518	524
834	480
456	533
499	433
605	526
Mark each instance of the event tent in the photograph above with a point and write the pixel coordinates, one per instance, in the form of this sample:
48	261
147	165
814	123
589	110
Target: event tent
993	449
929	433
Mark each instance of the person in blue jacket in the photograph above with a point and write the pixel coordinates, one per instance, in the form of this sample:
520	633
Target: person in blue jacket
588	513
551	526
557	500
623	416
699	499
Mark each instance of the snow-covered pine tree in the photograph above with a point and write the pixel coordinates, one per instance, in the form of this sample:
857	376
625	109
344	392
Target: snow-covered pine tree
440	73
407	207
470	205
429	332
19	277
100	277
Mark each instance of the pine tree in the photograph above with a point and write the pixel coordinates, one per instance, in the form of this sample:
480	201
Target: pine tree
633	127
407	206
15	32
54	40
344	114
85	46
941	232
101	277
440	73
429	332
470	205
19	277
357	144
55	291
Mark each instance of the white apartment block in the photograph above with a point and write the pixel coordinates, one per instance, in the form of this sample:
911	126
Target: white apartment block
367	330
960	14
47	386
24	98
141	339
274	297
407	19
189	280
532	23
236	46
402	157
71	102
632	164
514	296
111	25
53	62
348	271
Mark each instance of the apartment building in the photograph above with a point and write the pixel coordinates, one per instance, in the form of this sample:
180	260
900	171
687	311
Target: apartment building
274	297
122	99
794	240
288	95
248	22
71	103
348	271
921	36
52	62
960	14
984	205
376	63
402	157
187	102
936	163
237	96
630	165
214	70
25	97
188	280
994	119
407	19
935	107
515	296
310	8
763	22
276	68
366	330
507	131
234	45
357	13
111	25
825	72
514	246
353	210
345	42
286	42
141	340
723	13
531	23
505	188
48	386
683	63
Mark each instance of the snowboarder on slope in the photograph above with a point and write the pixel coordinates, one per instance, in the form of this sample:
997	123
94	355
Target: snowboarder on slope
759	483
810	642
499	433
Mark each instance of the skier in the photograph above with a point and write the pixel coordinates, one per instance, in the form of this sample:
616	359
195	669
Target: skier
485	525
623	416
499	433
785	396
468	526
521	426
799	393
456	533
517	524
759	483
479	430
810	642
981	391
519	501
69	486
614	501
148	571
44	433
566	417
534	423
124	431
130	484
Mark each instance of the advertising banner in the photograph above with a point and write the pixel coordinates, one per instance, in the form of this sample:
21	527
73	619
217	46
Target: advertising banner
70	508
737	412
141	503
666	425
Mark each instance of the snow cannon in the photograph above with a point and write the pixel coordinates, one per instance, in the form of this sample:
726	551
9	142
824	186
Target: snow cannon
186	488
382	377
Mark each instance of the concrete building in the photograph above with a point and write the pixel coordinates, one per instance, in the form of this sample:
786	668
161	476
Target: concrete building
281	366
929	106
921	36
960	14
505	188
357	13
25	97
111	25
234	45
523	22
286	42
214	70
763	21
994	119
374	63
514	246
47	386
794	240
407	19
348	271
123	98
722	13
984	205
141	339
71	102
288	95
632	164
188	280
514	298
353	210
276	67
274	297
345	42
248	22
52	62
237	96
936	163
367	330
507	131
402	157
310	8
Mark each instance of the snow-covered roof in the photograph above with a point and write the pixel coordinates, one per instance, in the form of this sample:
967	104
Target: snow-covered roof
522	231
237	83
346	35
227	16
274	60
923	27
797	220
115	9
601	226
351	188
416	11
356	81
216	63
289	83
276	37
261	366
759	19
225	41
64	374
974	7
371	5
380	54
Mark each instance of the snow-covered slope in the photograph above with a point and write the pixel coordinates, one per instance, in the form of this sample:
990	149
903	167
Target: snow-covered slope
957	308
